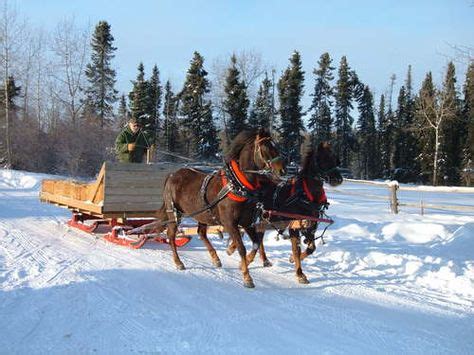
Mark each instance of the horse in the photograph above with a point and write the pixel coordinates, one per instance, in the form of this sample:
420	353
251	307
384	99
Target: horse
304	194
227	197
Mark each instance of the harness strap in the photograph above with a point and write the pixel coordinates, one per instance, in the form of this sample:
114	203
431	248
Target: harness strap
231	195
240	176
307	191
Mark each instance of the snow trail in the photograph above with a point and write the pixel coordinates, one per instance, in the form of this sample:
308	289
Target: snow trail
383	283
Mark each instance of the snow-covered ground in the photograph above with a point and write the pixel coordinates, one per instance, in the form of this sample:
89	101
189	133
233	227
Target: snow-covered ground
383	284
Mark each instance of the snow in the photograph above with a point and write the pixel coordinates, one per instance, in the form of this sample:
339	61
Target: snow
383	283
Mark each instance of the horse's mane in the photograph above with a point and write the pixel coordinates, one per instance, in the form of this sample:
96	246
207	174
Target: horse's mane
241	140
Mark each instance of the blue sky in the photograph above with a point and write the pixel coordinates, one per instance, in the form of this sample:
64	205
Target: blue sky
379	38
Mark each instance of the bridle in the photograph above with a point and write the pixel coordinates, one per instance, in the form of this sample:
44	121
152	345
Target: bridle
323	174
258	155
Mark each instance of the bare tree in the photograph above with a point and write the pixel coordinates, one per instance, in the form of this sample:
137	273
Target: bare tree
11	41
436	109
70	46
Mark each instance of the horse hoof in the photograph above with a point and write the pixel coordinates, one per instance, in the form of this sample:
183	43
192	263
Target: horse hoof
180	267
230	251
292	260
249	284
303	280
217	263
267	263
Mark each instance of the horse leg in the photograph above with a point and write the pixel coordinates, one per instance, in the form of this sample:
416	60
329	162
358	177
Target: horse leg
309	236
231	248
296	249
237	240
202	231
263	254
256	239
171	232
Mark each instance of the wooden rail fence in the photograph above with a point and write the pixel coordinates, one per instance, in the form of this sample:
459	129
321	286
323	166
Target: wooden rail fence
393	196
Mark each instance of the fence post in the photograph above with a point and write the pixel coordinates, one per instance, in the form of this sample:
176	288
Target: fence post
393	186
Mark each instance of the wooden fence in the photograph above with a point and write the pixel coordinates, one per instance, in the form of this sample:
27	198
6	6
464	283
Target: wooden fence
394	200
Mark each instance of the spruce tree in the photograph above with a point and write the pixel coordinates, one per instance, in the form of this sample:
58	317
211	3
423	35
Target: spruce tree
122	112
154	93
261	114
452	130
139	97
170	118
367	135
196	111
236	102
343	120
320	123
100	93
398	134
468	118
290	91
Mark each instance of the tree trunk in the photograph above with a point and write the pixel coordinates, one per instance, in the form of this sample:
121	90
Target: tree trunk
435	162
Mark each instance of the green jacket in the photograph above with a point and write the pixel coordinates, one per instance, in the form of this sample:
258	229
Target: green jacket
126	136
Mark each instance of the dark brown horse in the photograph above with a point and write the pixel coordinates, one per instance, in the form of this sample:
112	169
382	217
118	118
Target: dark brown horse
304	194
236	189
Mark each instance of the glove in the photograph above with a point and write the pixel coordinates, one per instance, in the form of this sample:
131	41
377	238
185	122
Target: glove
131	146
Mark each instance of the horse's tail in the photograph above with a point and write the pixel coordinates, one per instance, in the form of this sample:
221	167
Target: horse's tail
161	214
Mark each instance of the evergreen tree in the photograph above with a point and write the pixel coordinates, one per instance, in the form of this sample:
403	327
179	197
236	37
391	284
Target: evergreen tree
367	135
425	134
13	92
155	93
196	110
122	112
290	91
343	119
399	138
468	118
236	102
100	94
170	118
452	130
139	97
409	125
261	114
320	122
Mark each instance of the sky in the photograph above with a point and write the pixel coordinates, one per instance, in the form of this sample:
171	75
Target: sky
379	38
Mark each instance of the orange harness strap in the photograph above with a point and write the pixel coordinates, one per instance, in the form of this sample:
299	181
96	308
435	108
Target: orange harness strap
230	195
241	176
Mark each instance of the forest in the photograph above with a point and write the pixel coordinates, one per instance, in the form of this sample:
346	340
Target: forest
60	111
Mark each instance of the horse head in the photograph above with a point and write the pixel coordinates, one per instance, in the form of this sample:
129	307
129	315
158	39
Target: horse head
256	150
322	164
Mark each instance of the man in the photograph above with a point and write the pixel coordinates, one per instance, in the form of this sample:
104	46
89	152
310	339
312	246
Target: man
132	143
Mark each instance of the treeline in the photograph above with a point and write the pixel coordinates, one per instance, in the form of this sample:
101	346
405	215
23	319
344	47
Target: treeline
61	111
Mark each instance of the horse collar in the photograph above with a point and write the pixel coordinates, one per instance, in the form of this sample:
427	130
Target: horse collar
240	176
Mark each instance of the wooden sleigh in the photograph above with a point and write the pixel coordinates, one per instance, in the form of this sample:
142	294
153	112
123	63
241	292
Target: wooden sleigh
124	196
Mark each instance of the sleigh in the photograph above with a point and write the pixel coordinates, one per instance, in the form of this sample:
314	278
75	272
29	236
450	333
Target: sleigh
124	196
